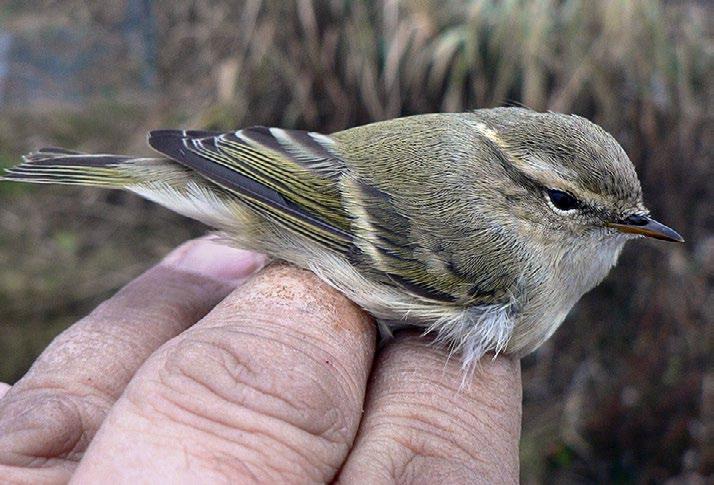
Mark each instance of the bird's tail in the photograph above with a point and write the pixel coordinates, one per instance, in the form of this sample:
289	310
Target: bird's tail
158	179
60	166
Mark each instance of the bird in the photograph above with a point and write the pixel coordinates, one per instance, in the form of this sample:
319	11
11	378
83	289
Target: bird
481	228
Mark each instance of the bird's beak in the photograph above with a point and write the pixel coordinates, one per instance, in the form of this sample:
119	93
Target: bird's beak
646	226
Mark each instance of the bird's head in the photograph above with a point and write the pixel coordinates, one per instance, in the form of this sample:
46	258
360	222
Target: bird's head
576	177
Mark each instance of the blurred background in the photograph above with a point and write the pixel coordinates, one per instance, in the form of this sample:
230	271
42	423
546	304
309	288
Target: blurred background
624	392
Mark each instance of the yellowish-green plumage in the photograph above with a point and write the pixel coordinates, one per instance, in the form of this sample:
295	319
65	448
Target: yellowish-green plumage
483	227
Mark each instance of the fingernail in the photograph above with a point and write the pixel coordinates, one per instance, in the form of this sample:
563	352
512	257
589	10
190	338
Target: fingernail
209	258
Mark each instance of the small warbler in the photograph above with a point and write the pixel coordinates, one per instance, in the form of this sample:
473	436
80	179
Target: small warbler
483	228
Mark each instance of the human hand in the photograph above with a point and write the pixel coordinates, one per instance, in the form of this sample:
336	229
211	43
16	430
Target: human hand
182	376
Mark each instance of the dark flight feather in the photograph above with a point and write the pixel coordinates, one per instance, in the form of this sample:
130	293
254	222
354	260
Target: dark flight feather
277	185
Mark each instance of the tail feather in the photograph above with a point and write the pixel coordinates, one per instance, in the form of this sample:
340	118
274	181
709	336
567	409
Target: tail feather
57	150
158	179
60	166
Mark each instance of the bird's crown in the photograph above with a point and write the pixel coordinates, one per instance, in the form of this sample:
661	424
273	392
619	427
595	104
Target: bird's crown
569	153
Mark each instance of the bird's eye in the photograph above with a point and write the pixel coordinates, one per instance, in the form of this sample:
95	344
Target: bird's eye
562	200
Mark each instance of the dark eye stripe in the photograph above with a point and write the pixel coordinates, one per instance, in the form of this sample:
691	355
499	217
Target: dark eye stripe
562	200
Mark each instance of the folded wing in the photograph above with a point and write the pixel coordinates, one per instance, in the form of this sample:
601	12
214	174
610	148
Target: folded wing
288	177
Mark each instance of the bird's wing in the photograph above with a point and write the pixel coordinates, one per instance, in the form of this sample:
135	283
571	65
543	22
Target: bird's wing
390	241
289	177
298	180
414	217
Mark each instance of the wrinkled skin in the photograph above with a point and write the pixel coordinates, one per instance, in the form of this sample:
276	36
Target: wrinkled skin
196	372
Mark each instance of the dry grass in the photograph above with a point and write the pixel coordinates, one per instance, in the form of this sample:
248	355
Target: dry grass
620	393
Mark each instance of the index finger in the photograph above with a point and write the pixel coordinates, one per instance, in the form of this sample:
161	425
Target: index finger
268	387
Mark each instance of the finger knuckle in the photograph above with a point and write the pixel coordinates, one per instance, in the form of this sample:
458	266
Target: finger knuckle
247	388
427	441
41	424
